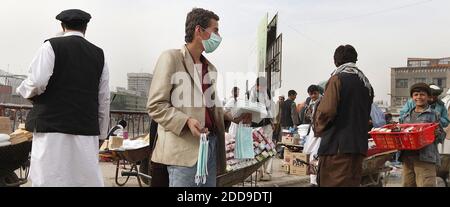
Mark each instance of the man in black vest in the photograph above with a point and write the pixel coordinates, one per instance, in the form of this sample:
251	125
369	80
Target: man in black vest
289	115
342	120
68	85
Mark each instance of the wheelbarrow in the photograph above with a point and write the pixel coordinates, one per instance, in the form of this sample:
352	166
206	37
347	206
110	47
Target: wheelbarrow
374	169
13	157
131	157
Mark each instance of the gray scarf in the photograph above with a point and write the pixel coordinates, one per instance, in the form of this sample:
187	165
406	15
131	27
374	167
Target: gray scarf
352	69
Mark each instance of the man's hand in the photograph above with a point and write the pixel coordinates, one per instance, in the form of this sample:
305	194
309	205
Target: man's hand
195	126
246	118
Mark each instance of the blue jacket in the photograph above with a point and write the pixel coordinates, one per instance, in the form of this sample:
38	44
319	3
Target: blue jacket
377	116
438	107
429	153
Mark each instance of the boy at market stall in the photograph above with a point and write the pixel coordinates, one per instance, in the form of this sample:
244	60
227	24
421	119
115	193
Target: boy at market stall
419	166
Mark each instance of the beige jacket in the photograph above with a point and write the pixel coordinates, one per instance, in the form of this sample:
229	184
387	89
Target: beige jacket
176	145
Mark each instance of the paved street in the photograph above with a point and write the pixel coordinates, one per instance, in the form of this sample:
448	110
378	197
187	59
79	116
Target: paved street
279	178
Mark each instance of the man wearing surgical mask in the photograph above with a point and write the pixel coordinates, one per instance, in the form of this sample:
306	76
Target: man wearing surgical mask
184	103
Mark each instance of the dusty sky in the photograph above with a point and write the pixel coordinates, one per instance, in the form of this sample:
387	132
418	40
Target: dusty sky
134	32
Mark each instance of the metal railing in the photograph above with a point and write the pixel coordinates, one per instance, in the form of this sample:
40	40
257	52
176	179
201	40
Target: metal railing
138	122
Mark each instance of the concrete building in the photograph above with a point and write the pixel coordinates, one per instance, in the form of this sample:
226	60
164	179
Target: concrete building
140	82
425	70
8	85
127	100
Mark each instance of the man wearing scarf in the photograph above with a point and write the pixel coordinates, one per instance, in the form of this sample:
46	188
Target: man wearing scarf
342	121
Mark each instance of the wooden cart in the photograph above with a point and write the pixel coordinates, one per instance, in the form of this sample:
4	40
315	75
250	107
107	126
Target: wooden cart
374	169
239	176
13	157
444	168
127	163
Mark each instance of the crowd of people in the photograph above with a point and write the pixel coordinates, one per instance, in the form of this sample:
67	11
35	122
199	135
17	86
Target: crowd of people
67	128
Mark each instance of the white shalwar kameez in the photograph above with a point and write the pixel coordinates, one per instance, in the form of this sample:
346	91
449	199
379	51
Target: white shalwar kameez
57	159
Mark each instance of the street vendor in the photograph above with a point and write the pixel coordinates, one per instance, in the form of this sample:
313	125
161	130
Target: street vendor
68	86
259	95
419	166
435	103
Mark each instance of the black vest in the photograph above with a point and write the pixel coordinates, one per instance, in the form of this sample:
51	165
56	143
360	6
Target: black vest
348	131
286	119
70	102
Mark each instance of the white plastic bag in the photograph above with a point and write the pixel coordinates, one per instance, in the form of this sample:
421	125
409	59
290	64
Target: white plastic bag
312	144
233	129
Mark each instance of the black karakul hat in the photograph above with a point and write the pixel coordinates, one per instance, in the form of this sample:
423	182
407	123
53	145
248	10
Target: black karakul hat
74	16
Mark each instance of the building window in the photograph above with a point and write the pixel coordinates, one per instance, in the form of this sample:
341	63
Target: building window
401	83
424	63
420	80
414	63
400	101
441	82
445	61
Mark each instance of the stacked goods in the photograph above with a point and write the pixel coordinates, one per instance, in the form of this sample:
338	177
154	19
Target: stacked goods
404	136
115	142
20	135
232	163
287	157
263	148
294	137
294	162
5	125
298	164
4	140
287	137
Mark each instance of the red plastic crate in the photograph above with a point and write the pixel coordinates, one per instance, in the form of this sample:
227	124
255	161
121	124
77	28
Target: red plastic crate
405	140
376	150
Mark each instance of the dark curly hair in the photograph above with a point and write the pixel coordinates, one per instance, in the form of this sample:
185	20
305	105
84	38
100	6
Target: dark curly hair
197	16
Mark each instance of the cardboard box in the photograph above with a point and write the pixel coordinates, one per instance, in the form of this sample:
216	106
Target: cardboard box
287	155
286	140
5	125
285	167
296	166
115	142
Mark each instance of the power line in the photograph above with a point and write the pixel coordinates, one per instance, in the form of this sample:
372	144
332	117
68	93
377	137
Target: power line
306	36
322	21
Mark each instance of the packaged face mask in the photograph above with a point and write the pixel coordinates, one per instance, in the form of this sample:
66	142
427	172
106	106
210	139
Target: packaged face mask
244	143
202	161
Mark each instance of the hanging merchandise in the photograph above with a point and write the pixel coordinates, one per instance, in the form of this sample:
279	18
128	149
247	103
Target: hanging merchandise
202	162
244	143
